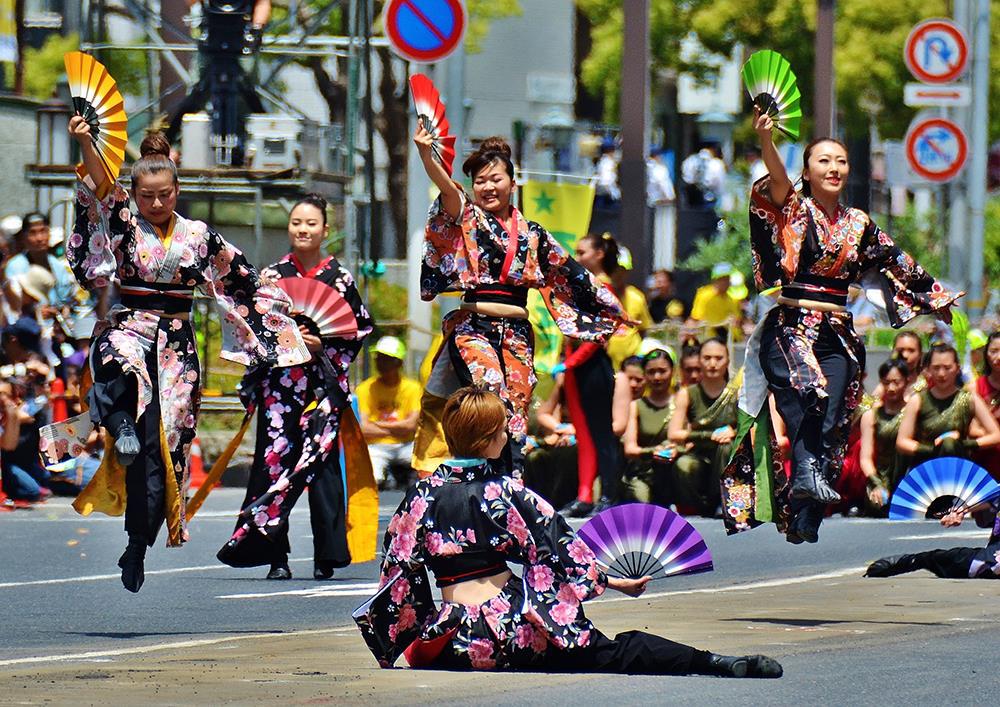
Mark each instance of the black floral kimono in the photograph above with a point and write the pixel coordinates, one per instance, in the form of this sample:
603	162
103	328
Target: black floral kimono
465	521
300	413
814	256
476	256
144	360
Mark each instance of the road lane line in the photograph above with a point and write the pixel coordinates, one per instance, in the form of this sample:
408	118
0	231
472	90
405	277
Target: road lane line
980	534
90	655
782	582
99	577
367	587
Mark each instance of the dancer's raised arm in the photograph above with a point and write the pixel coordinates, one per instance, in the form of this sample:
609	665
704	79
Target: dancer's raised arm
780	183
451	195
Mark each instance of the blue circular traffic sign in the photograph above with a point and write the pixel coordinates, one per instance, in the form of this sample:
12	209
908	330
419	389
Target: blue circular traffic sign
424	30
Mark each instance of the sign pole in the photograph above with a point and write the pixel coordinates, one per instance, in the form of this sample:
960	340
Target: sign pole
634	221
980	145
958	205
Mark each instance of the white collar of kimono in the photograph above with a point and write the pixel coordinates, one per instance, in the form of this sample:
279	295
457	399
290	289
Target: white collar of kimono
177	239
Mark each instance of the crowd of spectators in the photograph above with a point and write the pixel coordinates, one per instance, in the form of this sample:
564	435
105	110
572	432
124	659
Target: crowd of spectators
45	325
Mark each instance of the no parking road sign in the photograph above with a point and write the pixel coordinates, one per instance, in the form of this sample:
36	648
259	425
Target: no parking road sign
936	149
424	30
936	51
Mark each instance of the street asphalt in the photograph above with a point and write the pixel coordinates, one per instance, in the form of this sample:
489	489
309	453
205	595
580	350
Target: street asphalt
202	633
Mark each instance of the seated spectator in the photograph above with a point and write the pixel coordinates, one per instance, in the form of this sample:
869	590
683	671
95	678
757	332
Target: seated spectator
630	383
663	303
35	239
703	426
713	305
908	347
988	388
646	445
879	430
550	463
690	363
937	421
389	404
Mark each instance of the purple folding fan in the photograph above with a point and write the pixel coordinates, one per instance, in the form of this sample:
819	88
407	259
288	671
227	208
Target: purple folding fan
638	539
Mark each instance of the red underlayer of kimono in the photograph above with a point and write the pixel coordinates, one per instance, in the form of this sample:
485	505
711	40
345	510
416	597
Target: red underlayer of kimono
476	255
301	412
811	255
145	355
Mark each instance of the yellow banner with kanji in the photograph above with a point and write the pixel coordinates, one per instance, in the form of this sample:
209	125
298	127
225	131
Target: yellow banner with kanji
562	209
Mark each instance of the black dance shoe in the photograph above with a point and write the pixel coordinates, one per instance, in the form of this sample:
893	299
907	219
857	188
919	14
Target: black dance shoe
126	441
280	570
805	525
131	563
891	566
604	504
744	666
577	509
809	482
322	570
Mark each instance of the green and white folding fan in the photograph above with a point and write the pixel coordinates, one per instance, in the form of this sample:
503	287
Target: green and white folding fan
772	86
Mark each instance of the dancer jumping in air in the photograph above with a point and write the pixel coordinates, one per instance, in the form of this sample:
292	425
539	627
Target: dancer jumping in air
146	378
484	248
805	350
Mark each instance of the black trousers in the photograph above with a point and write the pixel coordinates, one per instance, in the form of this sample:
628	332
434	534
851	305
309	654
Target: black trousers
631	652
950	564
595	380
114	396
811	421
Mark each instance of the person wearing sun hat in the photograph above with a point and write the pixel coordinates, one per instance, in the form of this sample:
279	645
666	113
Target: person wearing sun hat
34	238
389	404
714	305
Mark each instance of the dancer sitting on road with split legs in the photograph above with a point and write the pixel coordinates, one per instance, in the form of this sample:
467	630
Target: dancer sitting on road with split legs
805	350
466	523
146	388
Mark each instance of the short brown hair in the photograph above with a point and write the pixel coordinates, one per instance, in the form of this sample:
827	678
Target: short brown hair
472	417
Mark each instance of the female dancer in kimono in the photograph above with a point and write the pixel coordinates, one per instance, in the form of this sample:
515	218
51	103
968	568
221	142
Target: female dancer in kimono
466	523
301	409
484	248
146	389
805	350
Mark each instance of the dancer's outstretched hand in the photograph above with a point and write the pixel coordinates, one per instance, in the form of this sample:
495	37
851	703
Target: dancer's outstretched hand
632	587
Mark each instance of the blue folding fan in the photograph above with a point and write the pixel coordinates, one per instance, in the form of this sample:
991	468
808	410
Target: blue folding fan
966	481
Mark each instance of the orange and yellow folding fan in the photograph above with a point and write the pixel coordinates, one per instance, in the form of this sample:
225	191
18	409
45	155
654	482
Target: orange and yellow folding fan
97	99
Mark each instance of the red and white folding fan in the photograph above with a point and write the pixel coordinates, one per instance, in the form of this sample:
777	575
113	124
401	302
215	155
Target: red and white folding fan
321	304
430	111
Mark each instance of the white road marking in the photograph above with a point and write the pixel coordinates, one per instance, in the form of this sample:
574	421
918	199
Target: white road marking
99	577
362	589
91	655
785	581
980	534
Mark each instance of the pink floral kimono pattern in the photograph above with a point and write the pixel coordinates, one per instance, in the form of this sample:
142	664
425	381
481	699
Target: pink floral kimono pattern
465	509
111	245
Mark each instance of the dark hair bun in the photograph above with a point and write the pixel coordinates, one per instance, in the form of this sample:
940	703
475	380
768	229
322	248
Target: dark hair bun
155	144
495	144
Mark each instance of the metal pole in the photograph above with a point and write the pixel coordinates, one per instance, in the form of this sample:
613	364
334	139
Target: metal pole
351	136
958	205
826	125
371	246
634	224
979	147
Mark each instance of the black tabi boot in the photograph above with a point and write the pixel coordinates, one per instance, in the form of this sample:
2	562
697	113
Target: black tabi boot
743	666
280	569
810	482
131	563
577	509
891	566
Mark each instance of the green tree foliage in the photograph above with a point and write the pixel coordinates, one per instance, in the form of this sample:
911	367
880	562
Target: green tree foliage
869	68
44	66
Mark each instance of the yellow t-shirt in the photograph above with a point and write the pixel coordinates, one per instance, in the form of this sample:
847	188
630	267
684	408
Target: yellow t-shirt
621	346
712	308
380	402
